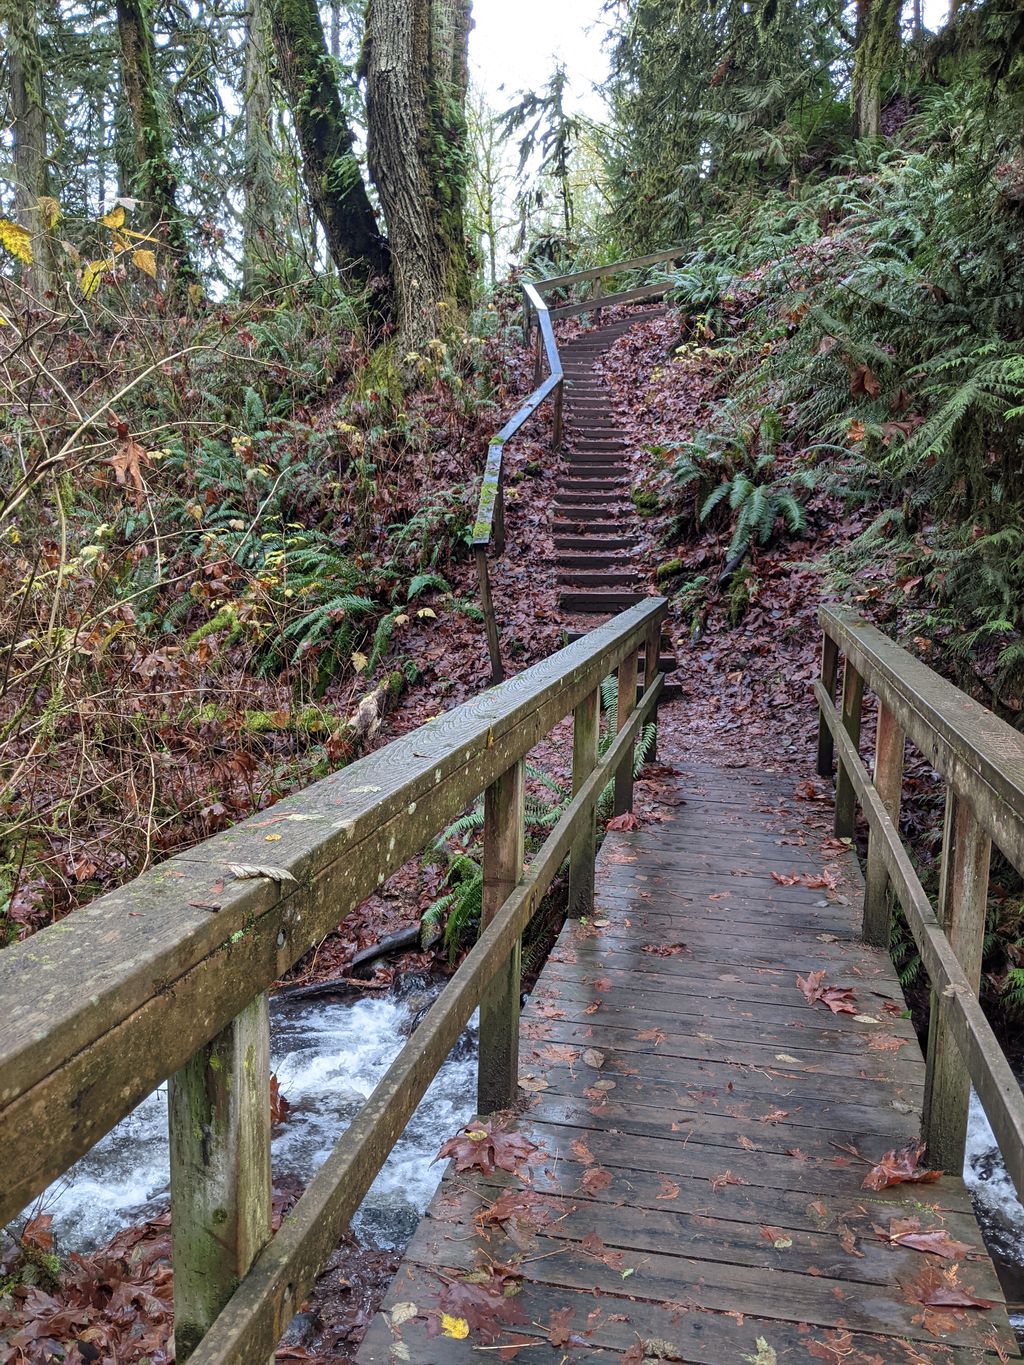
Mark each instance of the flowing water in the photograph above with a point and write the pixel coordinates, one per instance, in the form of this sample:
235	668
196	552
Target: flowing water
328	1056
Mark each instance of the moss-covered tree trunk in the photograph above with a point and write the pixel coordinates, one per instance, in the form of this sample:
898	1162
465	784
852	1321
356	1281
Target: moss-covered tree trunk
154	180
416	76
331	167
28	114
876	61
262	214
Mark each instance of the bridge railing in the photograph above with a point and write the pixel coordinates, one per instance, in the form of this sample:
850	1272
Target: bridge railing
982	761
167	978
489	527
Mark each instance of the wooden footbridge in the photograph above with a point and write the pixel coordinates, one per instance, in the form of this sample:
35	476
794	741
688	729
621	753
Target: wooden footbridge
699	1141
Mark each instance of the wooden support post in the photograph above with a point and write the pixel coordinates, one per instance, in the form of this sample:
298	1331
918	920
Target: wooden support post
498	534
627	704
526	320
490	617
652	661
853	699
890	743
219	1123
586	730
598	291
538	359
556	425
504	839
829	668
963	903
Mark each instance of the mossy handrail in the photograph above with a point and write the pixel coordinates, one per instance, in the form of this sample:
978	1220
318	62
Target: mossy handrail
167	979
489	526
982	761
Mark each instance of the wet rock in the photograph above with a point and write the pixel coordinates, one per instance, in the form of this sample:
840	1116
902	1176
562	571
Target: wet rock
301	1329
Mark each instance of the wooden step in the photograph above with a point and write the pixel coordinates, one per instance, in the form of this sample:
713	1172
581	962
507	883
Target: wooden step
598	579
598	542
596	601
594	485
597	559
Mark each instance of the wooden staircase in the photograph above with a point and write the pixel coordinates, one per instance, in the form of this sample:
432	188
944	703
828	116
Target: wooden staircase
595	533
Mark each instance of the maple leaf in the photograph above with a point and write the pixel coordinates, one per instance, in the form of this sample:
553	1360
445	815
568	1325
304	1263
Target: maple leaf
559	1333
719	1182
279	1106
37	1233
525	1207
594	1246
651	1035
899	1166
582	1152
625	821
839	999
595	1179
485	1300
664	949
483	1147
864	383
128	461
669	1188
906	1232
939	1289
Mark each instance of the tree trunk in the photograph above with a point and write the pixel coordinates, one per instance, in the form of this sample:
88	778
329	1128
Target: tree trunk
331	166
154	180
28	110
416	75
261	228
875	65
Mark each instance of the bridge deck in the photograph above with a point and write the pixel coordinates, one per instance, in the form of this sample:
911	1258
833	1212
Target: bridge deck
702	1130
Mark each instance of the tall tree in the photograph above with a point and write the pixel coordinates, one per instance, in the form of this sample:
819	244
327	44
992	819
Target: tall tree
261	212
153	180
416	68
21	29
332	172
875	66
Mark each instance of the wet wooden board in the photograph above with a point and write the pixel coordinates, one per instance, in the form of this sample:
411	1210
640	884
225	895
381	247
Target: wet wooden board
702	1131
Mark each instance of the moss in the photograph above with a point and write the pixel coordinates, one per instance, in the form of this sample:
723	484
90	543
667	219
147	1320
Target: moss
671	568
646	501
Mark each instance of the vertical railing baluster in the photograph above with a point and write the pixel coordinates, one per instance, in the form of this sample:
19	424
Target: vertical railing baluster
585	737
219	1124
556	423
652	667
504	837
963	903
853	699
627	674
598	292
890	743
829	669
538	358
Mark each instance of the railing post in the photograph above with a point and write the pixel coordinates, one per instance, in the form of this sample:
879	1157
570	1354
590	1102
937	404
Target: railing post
829	668
890	743
556	425
597	292
499	517
219	1124
504	836
853	698
586	727
538	357
490	618
963	903
526	319
627	704
652	662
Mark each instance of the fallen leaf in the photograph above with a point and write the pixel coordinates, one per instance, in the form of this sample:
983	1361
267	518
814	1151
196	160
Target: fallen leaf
899	1166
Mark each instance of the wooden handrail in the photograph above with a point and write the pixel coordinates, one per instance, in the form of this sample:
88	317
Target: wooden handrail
489	526
982	760
167	978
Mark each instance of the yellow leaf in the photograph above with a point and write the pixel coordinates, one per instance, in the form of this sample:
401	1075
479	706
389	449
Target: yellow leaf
428	612
359	661
401	619
93	273
146	262
196	295
454	1327
113	219
50	210
15	241
140	236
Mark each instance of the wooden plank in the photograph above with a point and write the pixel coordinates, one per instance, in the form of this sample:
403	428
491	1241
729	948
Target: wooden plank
645	291
504	836
890	743
829	667
963	907
627	675
586	735
853	698
219	1124
603	271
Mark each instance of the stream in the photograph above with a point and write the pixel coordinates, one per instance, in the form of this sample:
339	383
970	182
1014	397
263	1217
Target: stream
328	1055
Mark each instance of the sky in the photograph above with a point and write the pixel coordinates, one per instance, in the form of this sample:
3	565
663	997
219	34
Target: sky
515	44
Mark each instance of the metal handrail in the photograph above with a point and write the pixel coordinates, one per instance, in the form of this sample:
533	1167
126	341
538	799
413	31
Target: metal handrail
489	527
